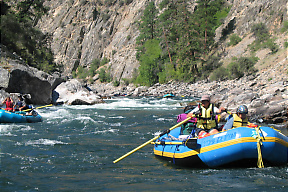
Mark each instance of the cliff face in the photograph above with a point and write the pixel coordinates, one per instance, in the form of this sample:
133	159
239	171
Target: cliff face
245	13
84	30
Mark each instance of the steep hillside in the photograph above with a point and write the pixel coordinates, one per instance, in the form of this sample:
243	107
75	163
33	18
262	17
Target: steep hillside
86	30
83	31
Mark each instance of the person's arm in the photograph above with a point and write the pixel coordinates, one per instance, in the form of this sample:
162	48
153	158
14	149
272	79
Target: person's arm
220	110
193	112
4	101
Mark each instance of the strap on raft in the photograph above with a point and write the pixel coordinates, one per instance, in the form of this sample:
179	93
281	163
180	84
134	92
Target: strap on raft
259	143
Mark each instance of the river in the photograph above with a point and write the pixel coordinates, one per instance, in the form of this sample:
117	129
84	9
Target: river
73	149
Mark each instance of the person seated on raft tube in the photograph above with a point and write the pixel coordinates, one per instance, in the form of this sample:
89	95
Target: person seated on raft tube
20	105
9	104
238	119
207	121
188	127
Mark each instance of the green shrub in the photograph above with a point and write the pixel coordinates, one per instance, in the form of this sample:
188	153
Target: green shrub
285	44
263	39
270	44
234	70
104	61
82	72
234	39
74	75
126	81
219	74
149	69
116	83
241	66
260	32
93	67
103	76
285	27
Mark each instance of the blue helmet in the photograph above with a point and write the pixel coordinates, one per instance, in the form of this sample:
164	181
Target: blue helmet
242	109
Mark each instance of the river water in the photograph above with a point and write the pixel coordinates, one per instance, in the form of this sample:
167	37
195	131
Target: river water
73	149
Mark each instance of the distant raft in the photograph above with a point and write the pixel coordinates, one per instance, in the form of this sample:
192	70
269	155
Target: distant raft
169	95
238	147
19	117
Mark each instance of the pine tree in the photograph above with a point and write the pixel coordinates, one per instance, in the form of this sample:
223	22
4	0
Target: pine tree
149	63
147	27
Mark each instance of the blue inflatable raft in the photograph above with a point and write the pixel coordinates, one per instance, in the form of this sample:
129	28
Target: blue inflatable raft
18	117
239	147
169	95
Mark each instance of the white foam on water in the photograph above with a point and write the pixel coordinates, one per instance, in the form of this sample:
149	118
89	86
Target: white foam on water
166	119
27	128
9	134
58	114
44	142
115	124
5	128
85	119
143	103
106	131
101	116
118	117
160	119
157	133
80	107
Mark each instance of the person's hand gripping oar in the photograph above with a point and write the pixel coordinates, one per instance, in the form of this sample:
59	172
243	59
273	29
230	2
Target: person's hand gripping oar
151	140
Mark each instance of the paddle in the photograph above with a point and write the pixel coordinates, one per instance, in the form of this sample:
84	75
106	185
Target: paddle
39	107
151	140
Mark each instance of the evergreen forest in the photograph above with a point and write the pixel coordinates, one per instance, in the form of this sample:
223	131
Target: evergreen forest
19	34
175	41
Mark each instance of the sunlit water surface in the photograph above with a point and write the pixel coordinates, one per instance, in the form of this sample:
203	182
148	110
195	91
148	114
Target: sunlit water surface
73	149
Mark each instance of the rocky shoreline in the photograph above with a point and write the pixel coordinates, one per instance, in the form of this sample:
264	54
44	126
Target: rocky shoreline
265	93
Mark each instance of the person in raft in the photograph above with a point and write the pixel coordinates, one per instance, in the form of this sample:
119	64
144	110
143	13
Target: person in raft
238	119
207	117
20	105
9	104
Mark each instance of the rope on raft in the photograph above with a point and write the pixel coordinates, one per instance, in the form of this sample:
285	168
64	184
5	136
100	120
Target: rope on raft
259	143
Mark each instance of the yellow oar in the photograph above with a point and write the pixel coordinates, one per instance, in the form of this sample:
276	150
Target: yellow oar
151	140
39	107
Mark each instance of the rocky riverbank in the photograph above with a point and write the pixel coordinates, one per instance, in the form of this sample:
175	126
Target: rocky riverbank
265	93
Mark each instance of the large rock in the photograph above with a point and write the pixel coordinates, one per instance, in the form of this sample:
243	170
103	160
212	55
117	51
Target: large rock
17	78
4	78
73	93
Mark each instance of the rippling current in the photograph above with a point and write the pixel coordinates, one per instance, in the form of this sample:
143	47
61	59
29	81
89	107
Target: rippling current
73	149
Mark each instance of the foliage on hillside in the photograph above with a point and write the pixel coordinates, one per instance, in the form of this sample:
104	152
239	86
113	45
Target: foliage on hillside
19	35
186	39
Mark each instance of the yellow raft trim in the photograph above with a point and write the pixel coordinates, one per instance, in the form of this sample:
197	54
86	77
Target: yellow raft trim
218	146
